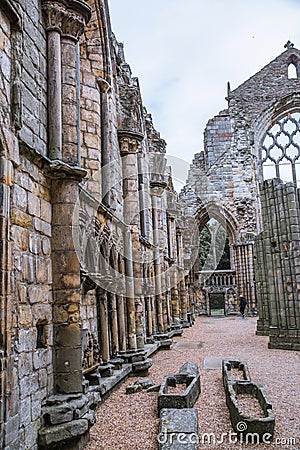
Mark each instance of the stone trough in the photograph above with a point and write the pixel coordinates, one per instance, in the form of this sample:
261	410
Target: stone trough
190	379
260	428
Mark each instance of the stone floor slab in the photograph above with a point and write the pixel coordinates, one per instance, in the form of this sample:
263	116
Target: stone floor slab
215	362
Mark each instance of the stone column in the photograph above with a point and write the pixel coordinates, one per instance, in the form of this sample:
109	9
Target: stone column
66	286
121	313
174	279
245	273
64	27
114	324
130	291
182	287
103	319
129	148
157	189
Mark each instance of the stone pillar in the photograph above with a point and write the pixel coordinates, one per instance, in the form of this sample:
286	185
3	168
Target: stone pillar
149	316
157	189
130	291
129	149
64	28
114	324
103	319
105	142
174	277
182	287
121	313
244	264
66	286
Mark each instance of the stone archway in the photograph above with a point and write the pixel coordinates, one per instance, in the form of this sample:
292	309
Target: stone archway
239	278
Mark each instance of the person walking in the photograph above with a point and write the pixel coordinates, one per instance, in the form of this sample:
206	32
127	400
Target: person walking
243	303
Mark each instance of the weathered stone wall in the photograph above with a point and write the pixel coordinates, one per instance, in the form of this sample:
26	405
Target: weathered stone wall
91	247
223	181
277	265
30	71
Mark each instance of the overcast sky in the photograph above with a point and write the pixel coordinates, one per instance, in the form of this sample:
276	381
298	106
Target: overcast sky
185	51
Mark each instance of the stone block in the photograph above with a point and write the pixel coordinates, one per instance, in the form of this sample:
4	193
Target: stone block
61	434
178	429
145	383
20	198
141	368
133	389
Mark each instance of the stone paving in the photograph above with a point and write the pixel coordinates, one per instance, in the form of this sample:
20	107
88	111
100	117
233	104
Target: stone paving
130	421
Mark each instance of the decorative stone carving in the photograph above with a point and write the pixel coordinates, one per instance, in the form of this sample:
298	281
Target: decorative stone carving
91	351
68	18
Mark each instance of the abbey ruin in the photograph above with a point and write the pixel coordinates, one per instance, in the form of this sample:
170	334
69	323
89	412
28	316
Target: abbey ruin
100	261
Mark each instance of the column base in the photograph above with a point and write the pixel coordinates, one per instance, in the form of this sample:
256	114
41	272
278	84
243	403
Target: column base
284	343
66	420
262	328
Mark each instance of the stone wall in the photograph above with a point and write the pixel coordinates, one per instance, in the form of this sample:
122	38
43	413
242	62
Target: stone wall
91	247
277	265
223	181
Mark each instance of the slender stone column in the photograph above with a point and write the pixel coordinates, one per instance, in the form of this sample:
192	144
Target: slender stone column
130	291
149	316
157	189
104	337
114	324
54	95
121	314
182	287
129	148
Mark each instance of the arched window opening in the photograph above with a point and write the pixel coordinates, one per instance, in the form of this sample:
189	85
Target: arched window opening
292	71
280	152
214	249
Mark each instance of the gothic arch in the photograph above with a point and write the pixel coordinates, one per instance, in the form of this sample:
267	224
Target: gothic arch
222	215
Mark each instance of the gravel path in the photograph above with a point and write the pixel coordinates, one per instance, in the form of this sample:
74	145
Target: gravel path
129	422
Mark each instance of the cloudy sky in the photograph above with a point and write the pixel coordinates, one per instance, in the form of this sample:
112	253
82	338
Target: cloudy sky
184	52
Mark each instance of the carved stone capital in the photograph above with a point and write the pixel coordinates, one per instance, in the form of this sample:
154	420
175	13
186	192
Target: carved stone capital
157	188
130	142
68	17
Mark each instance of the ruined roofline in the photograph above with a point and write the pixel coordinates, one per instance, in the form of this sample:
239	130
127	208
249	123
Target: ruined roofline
290	50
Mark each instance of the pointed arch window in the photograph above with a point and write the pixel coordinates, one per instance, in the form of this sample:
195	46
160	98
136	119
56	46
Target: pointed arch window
280	152
292	71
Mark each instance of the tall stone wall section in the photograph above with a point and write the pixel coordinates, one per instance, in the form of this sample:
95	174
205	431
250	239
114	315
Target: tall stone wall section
91	248
223	181
277	266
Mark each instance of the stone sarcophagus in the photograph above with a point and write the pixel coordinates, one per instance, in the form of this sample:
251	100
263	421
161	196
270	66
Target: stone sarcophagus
251	412
180	390
234	370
